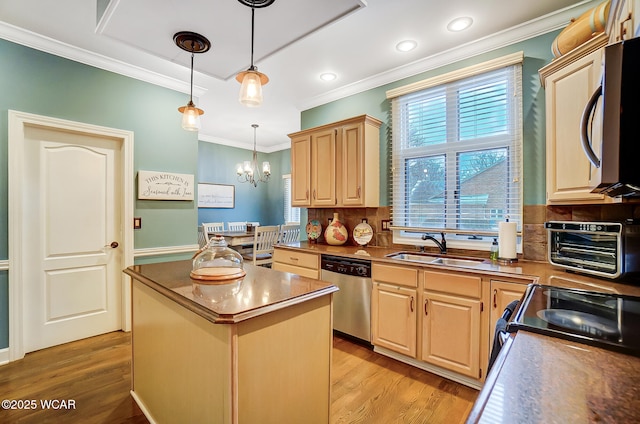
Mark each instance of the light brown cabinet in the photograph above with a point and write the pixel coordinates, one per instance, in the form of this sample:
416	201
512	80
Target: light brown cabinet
337	165
451	322
621	23
301	263
503	293
393	308
569	81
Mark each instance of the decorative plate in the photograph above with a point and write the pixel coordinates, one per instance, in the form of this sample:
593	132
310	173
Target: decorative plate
314	229
363	233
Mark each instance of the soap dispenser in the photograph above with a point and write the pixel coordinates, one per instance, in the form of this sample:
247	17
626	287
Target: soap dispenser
493	255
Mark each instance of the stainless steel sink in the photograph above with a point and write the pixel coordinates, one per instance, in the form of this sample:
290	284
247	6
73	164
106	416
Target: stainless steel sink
413	257
435	260
457	262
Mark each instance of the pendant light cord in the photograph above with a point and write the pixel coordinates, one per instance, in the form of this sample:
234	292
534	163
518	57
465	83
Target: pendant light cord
253	12
191	91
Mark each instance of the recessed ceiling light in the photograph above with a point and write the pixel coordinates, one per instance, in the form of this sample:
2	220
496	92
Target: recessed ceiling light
460	24
406	45
328	76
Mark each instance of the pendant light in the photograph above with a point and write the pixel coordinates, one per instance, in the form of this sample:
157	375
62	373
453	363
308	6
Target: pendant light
193	43
252	80
248	171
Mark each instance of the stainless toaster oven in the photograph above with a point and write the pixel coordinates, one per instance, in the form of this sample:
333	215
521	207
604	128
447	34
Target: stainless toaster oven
604	249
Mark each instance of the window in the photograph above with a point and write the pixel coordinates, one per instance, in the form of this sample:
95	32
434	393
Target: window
290	214
456	152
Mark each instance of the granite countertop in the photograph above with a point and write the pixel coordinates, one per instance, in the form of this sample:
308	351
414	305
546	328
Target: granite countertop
260	291
527	271
540	379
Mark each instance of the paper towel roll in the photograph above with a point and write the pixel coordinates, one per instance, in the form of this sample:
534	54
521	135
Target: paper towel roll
507	240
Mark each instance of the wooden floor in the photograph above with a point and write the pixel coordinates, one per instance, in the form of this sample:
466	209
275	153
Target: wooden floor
95	374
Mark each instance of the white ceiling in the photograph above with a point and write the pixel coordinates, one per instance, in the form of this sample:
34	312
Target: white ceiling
295	41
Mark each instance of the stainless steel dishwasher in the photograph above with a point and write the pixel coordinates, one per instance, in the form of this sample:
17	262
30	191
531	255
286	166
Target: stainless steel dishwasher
352	304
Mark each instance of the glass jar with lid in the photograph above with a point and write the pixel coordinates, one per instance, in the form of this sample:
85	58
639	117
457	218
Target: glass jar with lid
216	262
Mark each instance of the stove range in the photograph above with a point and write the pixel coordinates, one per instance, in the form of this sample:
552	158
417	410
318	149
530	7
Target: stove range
607	320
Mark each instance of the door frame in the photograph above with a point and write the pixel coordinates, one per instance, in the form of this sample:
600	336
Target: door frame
17	122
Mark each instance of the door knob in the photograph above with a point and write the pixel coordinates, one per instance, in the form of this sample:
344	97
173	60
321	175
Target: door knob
113	245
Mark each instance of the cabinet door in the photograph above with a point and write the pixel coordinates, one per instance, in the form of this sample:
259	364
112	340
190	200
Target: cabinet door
451	333
570	175
353	164
393	318
301	171
323	165
502	293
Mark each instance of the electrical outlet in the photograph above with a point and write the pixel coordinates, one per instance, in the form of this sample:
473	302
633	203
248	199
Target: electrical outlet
385	225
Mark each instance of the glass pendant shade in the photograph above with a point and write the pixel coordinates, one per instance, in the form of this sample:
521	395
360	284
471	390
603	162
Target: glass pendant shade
190	117
251	89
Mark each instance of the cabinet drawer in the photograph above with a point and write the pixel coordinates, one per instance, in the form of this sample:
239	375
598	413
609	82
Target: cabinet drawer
300	259
395	275
452	283
305	272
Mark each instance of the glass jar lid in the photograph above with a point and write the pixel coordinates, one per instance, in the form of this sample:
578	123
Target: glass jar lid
217	262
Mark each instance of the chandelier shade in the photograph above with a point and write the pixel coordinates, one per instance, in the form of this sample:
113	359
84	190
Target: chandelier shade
193	43
249	171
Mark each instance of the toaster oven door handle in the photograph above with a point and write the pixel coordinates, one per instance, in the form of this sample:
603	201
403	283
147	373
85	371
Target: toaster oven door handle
584	127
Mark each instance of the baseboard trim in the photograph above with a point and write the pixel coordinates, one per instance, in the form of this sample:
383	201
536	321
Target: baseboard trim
4	356
142	406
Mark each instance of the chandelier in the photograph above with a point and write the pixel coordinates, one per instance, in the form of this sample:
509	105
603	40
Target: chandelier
193	43
248	171
252	80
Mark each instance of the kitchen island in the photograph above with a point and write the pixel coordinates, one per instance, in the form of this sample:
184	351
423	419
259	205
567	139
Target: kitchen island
256	349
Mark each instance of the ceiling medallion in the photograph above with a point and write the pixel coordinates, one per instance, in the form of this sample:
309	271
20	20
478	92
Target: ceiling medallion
192	43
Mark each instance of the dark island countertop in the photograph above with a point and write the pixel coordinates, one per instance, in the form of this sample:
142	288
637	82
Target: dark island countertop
260	291
540	379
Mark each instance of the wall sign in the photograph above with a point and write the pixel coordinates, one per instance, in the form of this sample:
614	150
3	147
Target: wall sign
154	185
216	195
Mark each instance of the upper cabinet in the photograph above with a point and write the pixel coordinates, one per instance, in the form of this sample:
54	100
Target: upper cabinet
622	23
569	82
337	165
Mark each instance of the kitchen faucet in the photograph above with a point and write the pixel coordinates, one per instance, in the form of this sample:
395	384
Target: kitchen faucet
442	245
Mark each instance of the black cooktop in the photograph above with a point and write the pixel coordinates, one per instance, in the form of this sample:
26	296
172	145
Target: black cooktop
607	320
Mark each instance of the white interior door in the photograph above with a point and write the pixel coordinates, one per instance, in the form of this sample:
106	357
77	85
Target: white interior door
71	271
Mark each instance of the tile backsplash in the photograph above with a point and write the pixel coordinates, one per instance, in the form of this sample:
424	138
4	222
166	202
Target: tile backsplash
534	234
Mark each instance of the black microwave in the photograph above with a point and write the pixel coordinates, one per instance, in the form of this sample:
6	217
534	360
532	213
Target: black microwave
620	147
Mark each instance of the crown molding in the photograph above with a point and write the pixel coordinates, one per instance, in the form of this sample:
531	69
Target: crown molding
246	146
516	34
49	45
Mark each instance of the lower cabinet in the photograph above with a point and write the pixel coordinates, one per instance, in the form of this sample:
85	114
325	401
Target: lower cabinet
393	308
503	293
301	263
451	322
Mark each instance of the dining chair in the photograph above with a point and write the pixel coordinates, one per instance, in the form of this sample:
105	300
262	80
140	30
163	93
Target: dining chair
202	237
211	228
263	240
289	233
237	226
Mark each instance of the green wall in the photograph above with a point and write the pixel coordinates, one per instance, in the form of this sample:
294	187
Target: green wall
263	204
537	52
40	83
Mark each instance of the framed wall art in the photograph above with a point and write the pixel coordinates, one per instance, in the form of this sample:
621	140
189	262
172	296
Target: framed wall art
216	195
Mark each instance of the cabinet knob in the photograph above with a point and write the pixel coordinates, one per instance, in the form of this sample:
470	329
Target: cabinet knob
495	298
426	302
113	245
411	304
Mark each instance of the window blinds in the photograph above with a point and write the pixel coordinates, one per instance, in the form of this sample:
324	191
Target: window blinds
456	153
